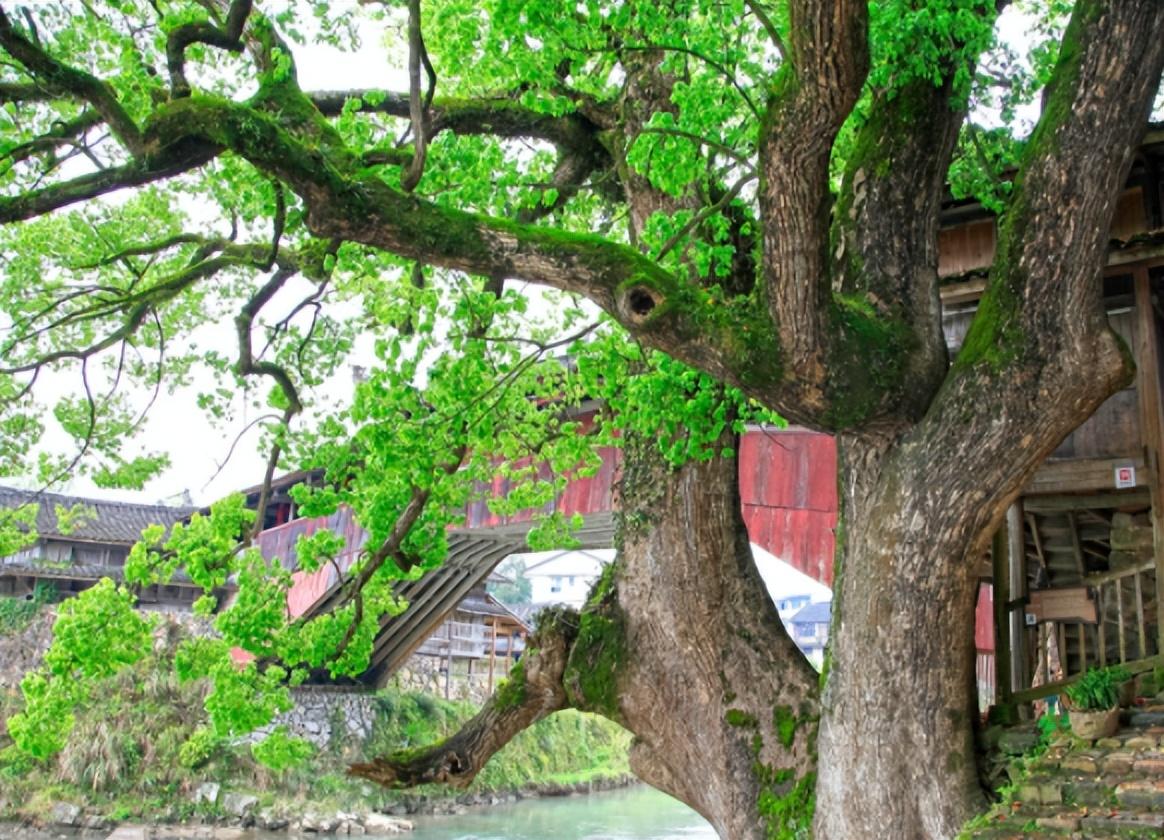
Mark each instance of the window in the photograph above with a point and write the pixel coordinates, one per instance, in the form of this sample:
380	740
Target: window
571	580
556	583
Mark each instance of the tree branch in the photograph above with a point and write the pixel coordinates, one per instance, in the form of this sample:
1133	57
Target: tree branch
138	172
78	83
813	93
227	38
500	117
417	105
533	691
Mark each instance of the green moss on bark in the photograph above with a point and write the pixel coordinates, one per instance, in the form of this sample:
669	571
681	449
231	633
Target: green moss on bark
592	674
511	692
867	360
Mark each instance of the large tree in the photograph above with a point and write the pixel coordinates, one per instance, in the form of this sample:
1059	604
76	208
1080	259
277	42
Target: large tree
749	189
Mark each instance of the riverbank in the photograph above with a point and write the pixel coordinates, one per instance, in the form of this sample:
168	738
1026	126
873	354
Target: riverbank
69	821
140	753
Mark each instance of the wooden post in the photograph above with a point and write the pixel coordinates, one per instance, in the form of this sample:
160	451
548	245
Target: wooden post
1140	629
1017	563
1118	583
1102	627
1001	574
1151	434
492	654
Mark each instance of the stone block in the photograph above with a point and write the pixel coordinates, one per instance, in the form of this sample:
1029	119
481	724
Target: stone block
129	832
1059	822
1142	794
1090	793
1152	762
321	823
1081	764
1018	741
65	813
270	820
383	824
1145	718
1040	793
239	804
1131	539
1109	744
1140	742
1119	762
1122	822
207	792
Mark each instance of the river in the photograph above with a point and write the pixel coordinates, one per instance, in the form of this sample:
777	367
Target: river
634	813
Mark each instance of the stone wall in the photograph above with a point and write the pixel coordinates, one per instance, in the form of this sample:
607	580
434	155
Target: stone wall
426	674
23	651
327	716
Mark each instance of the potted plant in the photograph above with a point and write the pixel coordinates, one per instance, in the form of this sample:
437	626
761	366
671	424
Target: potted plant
1094	702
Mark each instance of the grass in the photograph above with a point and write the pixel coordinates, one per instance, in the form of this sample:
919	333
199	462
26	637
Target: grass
126	758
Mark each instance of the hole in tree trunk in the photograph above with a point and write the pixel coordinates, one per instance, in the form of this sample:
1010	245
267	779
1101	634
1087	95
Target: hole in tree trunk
641	301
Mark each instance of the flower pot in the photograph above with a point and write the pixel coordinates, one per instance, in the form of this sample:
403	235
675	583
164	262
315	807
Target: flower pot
1093	725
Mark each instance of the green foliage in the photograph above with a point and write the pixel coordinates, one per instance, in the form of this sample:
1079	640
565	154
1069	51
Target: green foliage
199	748
280	750
80	655
510	692
1050	726
1097	689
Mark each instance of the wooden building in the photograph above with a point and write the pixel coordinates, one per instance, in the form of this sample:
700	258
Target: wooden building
1076	575
73	551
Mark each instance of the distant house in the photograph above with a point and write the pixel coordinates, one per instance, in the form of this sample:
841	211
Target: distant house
809	628
789	588
795	594
562	577
74	550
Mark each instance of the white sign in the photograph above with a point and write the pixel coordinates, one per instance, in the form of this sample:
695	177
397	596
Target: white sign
1125	477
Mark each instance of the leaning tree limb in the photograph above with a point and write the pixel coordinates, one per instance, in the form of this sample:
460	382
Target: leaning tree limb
533	691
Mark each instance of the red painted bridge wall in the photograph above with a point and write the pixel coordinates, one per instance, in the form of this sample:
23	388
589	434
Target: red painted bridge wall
788	489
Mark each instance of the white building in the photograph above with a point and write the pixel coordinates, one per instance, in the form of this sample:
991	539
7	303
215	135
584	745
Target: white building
563	577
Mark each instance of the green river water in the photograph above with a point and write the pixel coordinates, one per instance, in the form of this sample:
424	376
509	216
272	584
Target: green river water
637	813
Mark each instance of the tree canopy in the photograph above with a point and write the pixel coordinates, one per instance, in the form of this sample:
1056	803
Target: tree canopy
733	204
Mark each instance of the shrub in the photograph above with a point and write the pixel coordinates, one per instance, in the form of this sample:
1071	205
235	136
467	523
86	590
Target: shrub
1098	689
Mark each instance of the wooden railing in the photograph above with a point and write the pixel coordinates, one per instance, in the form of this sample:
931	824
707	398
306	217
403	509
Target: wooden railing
1131	624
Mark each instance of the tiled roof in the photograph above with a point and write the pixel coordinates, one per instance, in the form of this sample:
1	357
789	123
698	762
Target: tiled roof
105	521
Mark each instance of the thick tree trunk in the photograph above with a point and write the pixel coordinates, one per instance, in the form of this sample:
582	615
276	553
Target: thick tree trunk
723	705
896	736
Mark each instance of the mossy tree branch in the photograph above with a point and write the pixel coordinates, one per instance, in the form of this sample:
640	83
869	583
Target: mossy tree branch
1041	328
533	690
84	86
496	116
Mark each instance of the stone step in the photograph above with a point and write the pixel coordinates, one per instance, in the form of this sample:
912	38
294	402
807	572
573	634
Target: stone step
1080	823
1143	718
